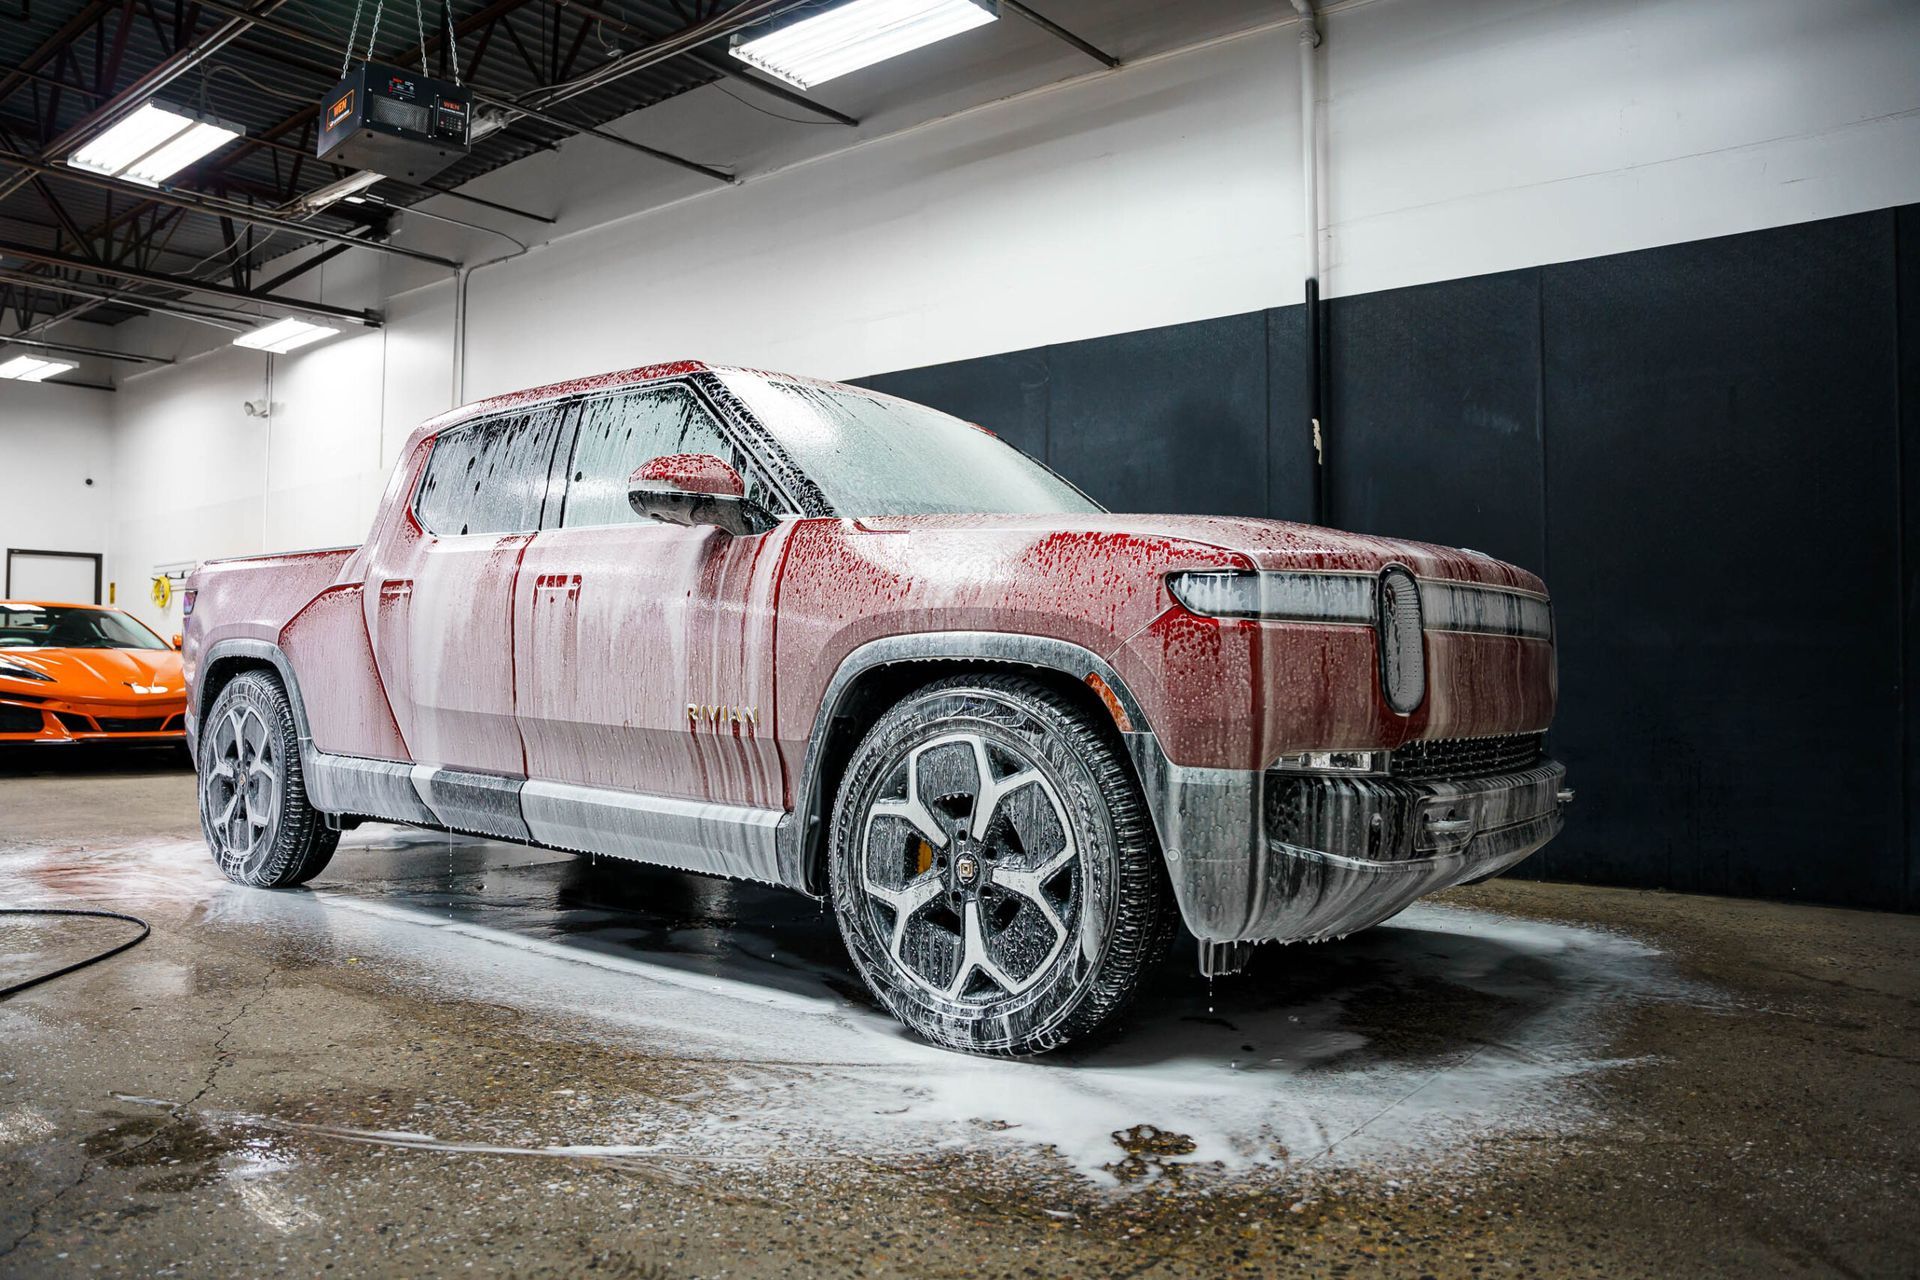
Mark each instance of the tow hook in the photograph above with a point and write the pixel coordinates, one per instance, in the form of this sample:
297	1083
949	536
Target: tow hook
1443	829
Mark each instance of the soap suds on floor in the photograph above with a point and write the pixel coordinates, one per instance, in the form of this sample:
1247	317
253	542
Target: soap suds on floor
1396	1050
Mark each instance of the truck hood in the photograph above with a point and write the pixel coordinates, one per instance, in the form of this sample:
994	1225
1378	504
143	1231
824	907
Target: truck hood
1266	544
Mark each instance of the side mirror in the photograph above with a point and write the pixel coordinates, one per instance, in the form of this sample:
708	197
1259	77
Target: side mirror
178	639
694	489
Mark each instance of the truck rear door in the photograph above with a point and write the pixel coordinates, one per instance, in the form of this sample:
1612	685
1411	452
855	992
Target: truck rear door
443	617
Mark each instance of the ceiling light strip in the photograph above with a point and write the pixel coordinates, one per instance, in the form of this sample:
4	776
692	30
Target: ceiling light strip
858	34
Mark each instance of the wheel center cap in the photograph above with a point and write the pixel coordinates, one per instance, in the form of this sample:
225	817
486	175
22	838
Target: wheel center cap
966	867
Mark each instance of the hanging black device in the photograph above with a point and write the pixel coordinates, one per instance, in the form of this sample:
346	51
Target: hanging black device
393	122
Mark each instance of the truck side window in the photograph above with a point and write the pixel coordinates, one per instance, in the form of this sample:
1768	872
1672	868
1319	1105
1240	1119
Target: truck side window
619	432
490	477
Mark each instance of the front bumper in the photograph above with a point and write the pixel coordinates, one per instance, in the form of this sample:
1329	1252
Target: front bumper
62	722
1299	857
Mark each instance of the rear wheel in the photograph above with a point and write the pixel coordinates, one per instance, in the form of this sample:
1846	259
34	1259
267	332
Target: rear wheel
253	800
993	871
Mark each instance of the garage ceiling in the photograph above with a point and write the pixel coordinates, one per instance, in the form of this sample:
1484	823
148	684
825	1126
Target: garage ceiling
65	61
71	244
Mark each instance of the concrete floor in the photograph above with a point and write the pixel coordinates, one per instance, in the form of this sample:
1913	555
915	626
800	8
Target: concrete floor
458	1056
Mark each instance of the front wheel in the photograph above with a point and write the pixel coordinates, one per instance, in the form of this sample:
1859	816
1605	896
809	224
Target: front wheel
993	871
253	800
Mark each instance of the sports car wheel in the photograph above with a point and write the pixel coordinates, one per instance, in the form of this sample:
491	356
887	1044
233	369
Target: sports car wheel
253	802
993	871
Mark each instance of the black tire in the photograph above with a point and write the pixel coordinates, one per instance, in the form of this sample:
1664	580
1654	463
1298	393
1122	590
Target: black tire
1065	942
253	800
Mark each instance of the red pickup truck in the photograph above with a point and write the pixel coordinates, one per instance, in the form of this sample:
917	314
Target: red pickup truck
761	626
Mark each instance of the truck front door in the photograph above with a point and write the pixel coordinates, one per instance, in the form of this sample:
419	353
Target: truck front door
644	654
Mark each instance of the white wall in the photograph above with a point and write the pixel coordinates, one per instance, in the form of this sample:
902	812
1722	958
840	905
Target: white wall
1471	136
1463	136
53	440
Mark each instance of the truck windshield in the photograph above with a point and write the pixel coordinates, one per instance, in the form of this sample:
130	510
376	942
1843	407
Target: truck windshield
874	455
35	626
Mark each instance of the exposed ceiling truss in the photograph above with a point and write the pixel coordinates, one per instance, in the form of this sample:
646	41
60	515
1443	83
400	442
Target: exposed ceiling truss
74	244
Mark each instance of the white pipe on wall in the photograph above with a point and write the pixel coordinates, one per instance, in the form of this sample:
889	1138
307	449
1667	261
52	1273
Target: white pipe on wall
1309	137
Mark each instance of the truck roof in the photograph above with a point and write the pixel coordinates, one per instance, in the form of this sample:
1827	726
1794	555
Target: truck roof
574	386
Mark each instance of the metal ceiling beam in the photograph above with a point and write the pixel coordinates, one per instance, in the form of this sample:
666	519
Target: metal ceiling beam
215	207
183	60
735	69
482	202
73	349
287	148
43	78
121	298
28	253
53	44
694	166
1059	32
685	40
185	57
179	63
726	66
491	97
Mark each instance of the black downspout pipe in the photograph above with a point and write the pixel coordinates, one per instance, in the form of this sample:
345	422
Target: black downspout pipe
1315	409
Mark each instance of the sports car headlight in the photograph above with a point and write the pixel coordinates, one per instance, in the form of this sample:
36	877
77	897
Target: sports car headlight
12	672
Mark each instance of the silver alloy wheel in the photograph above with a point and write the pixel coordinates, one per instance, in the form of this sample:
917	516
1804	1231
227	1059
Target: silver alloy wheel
977	864
241	797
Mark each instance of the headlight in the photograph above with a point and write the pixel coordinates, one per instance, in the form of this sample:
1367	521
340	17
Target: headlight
1403	657
1280	596
12	672
1217	595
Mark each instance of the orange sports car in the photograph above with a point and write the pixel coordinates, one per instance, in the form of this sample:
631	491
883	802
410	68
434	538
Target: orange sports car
81	673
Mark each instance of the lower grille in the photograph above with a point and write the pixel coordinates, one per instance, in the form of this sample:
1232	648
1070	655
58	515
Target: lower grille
146	725
1444	759
19	720
75	723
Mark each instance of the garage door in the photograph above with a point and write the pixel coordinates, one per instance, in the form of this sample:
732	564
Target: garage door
69	576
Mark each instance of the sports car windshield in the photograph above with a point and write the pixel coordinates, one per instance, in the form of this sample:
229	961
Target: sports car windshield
873	455
53	627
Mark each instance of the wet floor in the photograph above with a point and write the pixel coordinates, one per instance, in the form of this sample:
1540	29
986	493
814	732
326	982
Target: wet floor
454	1055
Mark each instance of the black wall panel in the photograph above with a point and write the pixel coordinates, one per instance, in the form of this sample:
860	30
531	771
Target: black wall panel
1723	501
1290	416
1907	233
1006	394
1710	450
1170	419
1433	404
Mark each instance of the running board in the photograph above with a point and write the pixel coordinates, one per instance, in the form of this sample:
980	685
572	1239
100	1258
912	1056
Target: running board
686	835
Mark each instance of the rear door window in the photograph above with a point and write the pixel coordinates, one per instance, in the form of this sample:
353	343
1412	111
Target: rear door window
619	432
490	477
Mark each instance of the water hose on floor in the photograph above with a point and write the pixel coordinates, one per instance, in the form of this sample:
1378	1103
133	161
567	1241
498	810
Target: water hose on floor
145	929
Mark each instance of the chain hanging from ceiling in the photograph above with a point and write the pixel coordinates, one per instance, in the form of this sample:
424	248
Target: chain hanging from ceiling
419	31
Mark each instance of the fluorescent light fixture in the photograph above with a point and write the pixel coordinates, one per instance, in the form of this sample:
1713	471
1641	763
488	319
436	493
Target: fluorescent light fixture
858	34
151	145
485	125
347	188
283	336
33	368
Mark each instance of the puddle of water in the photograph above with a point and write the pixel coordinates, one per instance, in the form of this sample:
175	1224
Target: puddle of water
1399	1048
